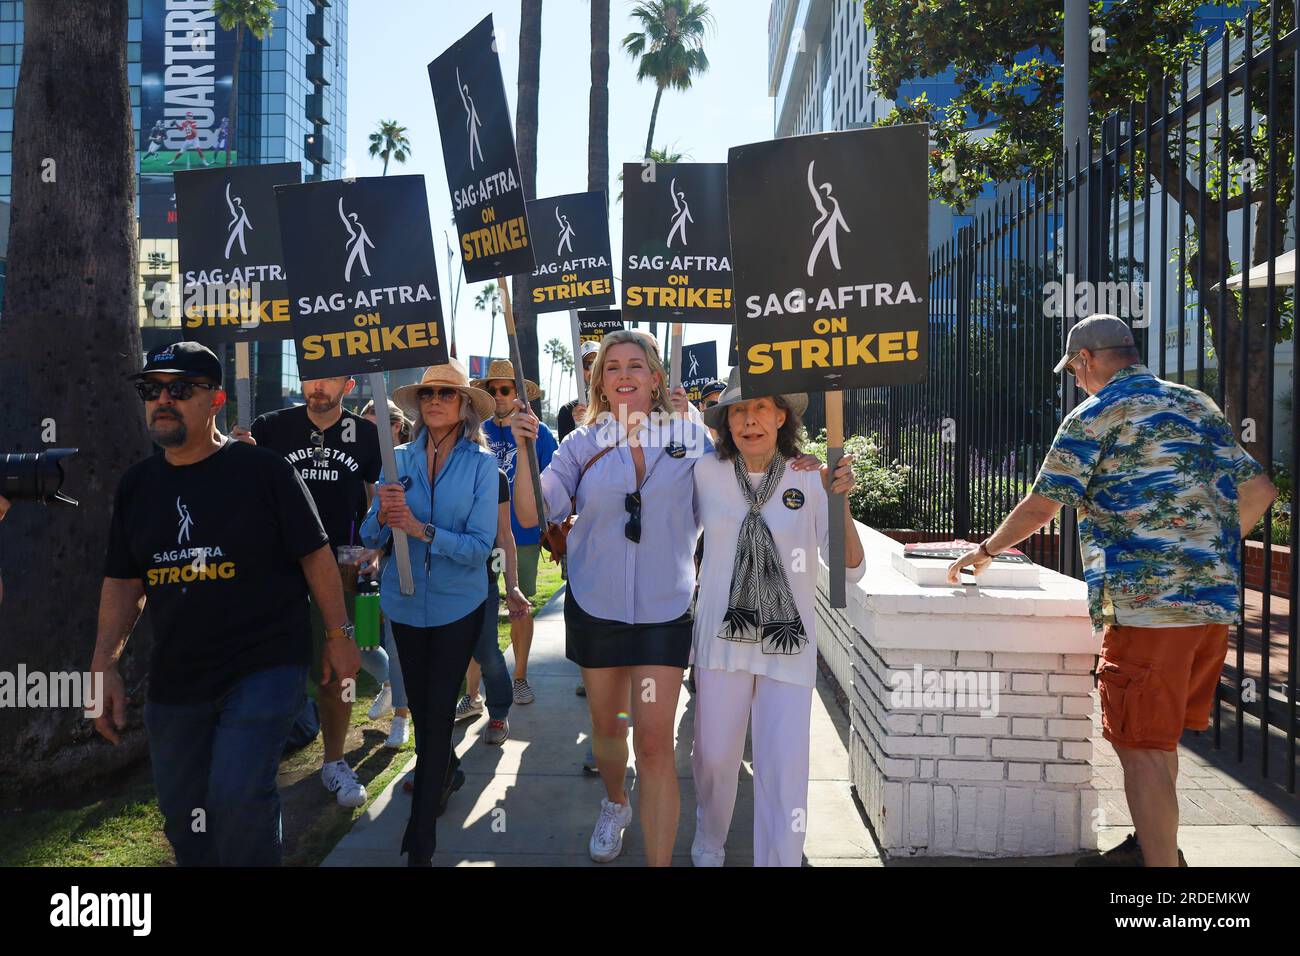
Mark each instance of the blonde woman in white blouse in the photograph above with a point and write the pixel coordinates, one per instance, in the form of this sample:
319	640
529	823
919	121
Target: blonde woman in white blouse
754	643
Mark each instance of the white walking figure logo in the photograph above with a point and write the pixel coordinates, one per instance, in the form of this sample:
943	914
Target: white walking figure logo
695	366
238	222
186	522
829	222
566	233
472	122
681	214
357	240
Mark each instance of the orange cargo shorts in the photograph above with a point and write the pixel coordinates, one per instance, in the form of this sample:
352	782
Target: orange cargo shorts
1156	682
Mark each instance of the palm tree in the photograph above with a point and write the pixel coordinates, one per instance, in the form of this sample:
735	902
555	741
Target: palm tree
65	351
530	68
238	15
390	141
670	47
657	156
553	349
489	299
598	104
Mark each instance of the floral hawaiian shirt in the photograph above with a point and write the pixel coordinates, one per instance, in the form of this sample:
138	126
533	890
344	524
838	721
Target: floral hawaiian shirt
1153	469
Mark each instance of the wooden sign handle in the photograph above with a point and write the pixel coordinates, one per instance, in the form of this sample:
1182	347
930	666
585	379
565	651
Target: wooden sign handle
530	448
401	547
577	355
676	337
835	525
243	385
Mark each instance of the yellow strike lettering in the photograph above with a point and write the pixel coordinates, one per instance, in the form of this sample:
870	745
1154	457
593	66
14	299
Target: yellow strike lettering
889	348
787	352
356	340
392	339
814	353
860	349
311	348
759	359
416	336
633	295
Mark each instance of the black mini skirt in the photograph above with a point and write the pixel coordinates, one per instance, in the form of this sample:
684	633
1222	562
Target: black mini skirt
595	642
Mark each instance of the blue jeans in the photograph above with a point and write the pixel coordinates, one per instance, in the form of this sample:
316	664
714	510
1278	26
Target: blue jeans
497	685
383	665
221	757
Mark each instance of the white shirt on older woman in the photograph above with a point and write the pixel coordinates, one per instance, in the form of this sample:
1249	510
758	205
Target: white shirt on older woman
796	514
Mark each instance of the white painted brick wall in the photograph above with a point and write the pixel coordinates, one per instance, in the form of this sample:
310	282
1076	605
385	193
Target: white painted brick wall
1026	749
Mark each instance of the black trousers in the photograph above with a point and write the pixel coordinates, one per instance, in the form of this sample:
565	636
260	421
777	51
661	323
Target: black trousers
434	661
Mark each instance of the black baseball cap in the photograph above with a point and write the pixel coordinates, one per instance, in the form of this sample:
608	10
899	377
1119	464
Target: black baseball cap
182	358
712	387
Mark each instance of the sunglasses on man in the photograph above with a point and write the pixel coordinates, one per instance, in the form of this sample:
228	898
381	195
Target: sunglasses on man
505	391
178	389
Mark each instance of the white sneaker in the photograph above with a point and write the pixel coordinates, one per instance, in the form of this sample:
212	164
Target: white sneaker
383	704
400	733
700	856
341	780
467	708
607	839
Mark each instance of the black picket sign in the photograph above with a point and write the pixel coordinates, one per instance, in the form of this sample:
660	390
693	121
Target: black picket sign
699	367
478	150
574	270
596	324
676	246
829	236
363	278
232	269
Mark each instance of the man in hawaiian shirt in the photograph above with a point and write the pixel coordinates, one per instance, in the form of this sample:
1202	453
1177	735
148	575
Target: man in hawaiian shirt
1165	495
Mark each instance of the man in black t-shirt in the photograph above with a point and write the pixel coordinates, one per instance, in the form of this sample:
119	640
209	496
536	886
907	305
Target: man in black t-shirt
223	542
574	413
336	453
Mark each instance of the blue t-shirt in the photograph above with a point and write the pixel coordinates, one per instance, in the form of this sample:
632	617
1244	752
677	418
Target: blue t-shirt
501	440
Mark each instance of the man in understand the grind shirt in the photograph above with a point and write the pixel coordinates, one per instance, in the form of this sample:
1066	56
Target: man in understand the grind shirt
336	454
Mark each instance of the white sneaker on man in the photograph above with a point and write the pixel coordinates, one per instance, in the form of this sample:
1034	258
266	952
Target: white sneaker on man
383	703
341	780
400	733
607	839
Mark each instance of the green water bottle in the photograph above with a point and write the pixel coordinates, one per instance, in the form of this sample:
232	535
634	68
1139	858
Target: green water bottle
367	612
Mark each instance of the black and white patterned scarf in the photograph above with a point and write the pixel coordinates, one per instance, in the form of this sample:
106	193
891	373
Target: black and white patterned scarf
761	606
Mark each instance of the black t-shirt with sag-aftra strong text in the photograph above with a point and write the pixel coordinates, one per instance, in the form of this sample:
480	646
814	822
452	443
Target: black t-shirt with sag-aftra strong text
336	467
217	545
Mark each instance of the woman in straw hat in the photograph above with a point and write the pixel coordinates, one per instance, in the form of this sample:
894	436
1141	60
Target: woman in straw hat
631	574
754	640
449	514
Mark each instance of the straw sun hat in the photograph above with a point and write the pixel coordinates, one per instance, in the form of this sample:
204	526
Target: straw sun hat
504	370
451	375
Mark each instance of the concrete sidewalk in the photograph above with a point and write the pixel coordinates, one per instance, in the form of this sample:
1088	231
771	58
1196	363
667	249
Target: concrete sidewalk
529	803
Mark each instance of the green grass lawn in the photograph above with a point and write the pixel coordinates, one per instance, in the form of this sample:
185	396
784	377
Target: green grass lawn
118	823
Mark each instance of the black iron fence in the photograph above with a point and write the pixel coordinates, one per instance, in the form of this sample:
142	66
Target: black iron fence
1188	186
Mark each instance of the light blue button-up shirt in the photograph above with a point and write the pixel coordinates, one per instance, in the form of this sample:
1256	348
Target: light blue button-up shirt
465	515
610	576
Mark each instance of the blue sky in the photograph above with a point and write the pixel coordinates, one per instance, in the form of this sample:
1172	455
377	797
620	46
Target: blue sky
390	44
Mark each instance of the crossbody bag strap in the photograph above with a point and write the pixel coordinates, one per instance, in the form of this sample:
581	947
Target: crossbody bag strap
573	502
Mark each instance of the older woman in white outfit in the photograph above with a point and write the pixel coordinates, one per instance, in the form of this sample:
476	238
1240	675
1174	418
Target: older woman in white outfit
754	642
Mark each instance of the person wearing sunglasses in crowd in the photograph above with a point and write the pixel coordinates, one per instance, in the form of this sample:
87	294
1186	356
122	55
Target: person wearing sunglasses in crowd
755	638
628	470
444	497
336	453
224	542
499	382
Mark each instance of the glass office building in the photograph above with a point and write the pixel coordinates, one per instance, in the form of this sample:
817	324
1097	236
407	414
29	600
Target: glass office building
292	108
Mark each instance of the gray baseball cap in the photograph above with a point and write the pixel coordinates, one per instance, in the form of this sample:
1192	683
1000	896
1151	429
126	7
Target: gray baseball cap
1095	333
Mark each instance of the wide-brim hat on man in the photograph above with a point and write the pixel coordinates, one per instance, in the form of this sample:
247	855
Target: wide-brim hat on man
451	375
716	417
1096	333
504	370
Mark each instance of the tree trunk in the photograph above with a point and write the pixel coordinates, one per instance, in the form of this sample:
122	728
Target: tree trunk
68	338
598	105
530	65
654	117
385	155
1252	422
234	92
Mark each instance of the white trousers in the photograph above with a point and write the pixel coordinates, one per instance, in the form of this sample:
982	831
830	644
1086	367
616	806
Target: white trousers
724	703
